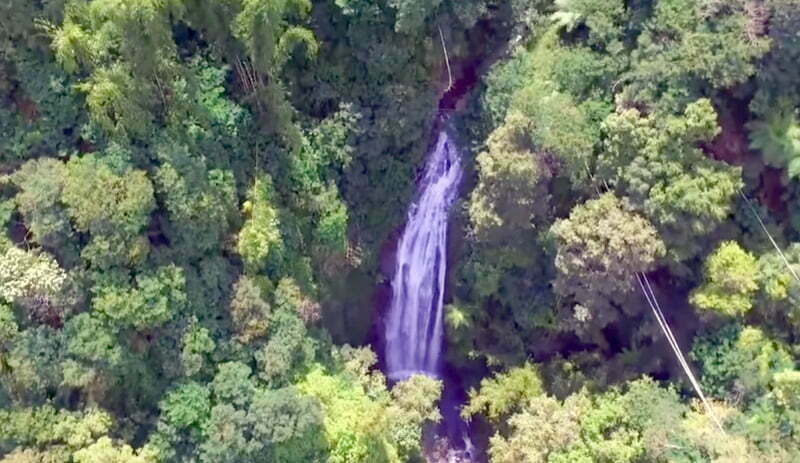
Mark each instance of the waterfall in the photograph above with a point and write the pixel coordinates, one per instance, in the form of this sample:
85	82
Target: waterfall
414	323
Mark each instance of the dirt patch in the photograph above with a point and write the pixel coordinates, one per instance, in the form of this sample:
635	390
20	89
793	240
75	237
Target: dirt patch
731	145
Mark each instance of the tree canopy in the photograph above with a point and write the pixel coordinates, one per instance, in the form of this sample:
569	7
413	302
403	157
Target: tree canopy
200	204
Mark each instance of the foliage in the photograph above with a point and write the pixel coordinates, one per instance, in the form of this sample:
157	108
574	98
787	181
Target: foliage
414	404
602	246
548	425
731	281
47	426
687	48
656	163
778	140
197	344
511	193
505	393
111	206
41	185
130	54
260	233
105	450
778	287
199	202
739	361
644	422
364	423
152	300
188	406
777	77
249	311
35	282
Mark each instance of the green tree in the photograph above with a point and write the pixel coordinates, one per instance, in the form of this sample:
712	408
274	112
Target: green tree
129	54
731	281
200	201
8	332
705	440
226	441
188	407
105	450
41	185
127	50
197	345
777	77
43	115
414	404
260	233
289	350
233	384
288	424
605	21
47	426
778	289
148	301
33	364
560	125
411	14
601	247
249	311
511	194
91	340
640	422
787	388
241	421
505	393
354	423
331	230
688	49
362	420
656	163
113	206
545	427
739	361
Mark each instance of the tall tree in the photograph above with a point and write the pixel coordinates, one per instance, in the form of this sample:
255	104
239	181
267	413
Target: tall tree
656	163
601	247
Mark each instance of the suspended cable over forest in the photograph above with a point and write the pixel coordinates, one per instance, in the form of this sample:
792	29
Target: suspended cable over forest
652	301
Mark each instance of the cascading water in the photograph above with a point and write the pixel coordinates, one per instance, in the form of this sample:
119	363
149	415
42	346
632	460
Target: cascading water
414	323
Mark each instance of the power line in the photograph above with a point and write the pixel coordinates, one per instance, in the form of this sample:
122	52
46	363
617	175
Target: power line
769	235
644	283
650	296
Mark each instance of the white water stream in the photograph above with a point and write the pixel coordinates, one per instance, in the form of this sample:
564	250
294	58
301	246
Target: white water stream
414	323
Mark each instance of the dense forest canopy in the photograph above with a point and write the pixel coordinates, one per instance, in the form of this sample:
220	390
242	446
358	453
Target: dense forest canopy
198	199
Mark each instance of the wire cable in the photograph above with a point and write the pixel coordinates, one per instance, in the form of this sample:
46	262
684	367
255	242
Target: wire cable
769	235
446	60
647	290
662	321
